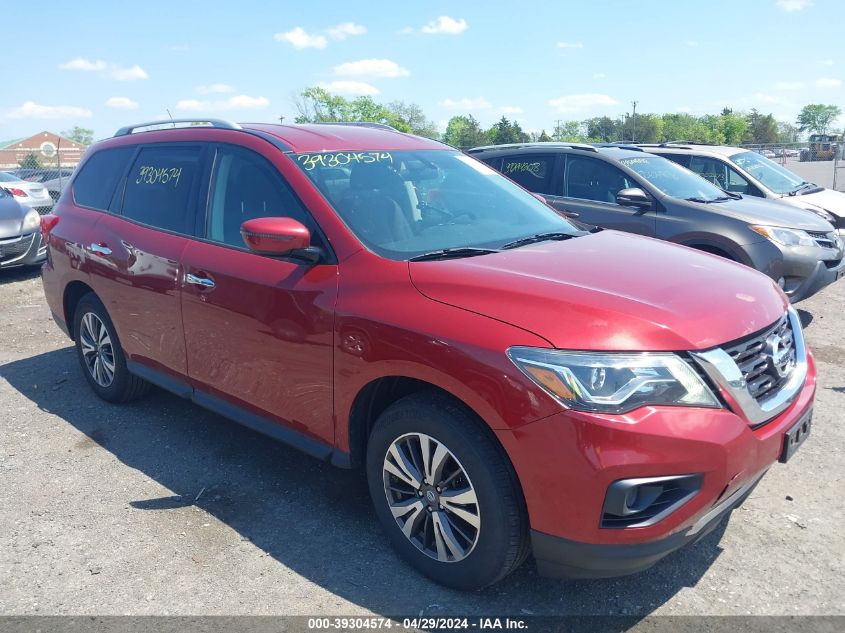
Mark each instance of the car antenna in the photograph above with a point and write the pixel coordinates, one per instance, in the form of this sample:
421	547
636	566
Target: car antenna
171	117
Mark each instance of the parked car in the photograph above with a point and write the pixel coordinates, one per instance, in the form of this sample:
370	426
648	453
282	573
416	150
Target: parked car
42	174
741	171
624	188
29	194
508	382
55	186
20	239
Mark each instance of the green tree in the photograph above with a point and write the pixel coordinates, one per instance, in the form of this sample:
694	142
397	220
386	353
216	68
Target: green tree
82	135
787	133
646	128
504	131
732	127
412	117
817	117
568	132
30	161
602	129
543	138
464	132
762	129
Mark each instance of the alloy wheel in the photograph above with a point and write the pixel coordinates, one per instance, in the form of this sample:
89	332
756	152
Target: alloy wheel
431	497
97	350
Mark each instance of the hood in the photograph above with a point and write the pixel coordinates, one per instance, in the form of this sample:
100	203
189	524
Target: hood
11	217
772	212
609	291
826	199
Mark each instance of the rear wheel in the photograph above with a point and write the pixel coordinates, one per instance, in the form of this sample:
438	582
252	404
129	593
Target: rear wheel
100	355
445	493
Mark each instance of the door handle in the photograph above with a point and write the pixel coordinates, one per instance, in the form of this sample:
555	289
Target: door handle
99	249
205	282
571	214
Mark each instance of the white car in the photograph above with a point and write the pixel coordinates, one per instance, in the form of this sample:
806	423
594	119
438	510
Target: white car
743	171
31	195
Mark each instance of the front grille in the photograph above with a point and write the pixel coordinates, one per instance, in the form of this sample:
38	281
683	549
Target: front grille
766	359
825	240
13	250
832	263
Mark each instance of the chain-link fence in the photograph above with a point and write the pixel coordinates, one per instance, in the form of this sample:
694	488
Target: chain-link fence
820	160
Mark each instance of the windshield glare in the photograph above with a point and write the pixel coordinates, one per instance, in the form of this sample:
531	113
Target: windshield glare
672	179
401	204
769	173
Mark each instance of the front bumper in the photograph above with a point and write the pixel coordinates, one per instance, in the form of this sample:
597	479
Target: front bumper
25	250
804	277
567	461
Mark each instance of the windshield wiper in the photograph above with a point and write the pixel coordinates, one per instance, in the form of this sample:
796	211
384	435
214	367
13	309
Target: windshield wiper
803	185
539	237
450	253
701	200
730	196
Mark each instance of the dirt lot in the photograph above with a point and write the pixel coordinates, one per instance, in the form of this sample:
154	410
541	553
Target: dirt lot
163	508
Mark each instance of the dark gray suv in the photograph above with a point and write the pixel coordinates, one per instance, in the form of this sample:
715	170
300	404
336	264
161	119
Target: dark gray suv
626	189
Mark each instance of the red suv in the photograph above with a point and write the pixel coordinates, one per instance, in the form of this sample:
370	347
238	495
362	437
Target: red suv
510	382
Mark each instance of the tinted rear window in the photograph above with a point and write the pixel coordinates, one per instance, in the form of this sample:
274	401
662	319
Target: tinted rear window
532	171
98	178
159	187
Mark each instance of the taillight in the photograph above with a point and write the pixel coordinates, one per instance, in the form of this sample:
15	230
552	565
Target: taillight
48	221
20	193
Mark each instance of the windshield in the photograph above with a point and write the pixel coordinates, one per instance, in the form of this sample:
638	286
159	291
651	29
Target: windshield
769	173
674	180
404	204
7	177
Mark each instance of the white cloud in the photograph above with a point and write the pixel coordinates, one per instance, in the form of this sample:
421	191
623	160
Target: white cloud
683	110
692	43
127	74
827	82
215	89
570	45
478	103
121	103
347	29
789	85
826	62
32	110
348	87
382	68
599	76
108	70
237	102
80	63
767	98
581	102
300	39
405	31
444	25
510	110
794	5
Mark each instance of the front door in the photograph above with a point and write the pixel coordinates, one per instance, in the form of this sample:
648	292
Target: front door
258	329
590	188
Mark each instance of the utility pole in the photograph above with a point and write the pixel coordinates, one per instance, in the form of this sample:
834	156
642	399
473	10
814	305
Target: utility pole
281	119
557	130
634	122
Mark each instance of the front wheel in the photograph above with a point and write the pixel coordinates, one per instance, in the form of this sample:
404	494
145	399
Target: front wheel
445	493
100	355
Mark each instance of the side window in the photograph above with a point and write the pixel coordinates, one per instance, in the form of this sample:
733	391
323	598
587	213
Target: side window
160	185
246	186
738	184
98	178
710	169
681	159
591	179
532	171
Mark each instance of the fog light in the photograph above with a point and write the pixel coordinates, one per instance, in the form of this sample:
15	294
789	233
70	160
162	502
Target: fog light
646	500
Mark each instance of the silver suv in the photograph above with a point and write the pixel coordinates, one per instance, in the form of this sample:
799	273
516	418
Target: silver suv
20	238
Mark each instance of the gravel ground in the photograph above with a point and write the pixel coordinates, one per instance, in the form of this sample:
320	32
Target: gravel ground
162	508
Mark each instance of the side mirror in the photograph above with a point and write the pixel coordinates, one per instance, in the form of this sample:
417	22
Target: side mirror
634	197
280	237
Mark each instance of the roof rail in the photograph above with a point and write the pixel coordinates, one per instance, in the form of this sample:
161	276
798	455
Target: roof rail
620	145
536	144
372	124
217	123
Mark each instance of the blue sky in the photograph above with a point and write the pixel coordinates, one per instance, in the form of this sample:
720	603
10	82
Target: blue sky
117	63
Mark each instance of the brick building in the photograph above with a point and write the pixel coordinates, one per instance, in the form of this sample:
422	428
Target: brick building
49	148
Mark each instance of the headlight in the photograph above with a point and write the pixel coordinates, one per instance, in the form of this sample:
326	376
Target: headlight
786	237
613	382
31	220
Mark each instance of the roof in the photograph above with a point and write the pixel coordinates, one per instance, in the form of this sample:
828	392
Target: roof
327	137
718	150
6	144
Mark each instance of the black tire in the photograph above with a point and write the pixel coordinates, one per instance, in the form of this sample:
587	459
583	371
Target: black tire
502	542
124	386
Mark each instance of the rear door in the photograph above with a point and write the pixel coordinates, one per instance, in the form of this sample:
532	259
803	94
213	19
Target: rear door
258	329
136	254
590	188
